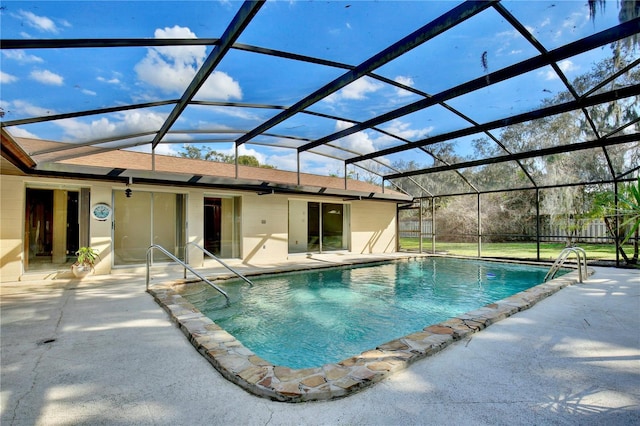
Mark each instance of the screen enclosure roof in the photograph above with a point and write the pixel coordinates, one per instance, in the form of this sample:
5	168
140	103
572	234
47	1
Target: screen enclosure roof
424	98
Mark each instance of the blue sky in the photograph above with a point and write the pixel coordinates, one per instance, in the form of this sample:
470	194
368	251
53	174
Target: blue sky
37	82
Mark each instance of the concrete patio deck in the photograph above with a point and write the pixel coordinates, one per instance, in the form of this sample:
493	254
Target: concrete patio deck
101	351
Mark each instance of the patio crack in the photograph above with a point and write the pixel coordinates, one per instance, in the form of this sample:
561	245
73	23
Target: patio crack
43	342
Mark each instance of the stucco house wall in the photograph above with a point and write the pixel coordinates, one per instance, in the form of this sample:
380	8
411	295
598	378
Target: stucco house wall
264	222
373	227
11	231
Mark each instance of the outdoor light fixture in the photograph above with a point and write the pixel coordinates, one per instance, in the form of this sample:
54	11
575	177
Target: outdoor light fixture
128	191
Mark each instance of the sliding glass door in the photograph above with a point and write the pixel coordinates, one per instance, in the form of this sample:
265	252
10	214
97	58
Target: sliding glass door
148	218
318	227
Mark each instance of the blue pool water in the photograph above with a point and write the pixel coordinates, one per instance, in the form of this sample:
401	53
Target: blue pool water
303	320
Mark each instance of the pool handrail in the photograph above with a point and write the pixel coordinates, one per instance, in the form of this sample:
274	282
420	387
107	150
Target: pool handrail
216	258
175	259
580	253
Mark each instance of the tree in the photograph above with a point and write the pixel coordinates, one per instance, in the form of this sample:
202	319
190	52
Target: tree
205	153
627	214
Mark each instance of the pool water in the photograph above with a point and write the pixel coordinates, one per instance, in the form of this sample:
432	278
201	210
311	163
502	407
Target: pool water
303	320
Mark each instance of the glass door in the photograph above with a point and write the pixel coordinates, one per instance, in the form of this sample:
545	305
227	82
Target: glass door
333	227
148	218
222	226
52	228
318	227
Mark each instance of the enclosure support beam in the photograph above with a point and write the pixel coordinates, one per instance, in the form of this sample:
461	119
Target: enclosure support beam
616	223
420	227
450	19
235	162
479	229
433	225
538	224
240	21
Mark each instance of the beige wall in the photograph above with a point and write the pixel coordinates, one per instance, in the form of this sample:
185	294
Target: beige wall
12	198
298	226
264	223
100	231
264	227
373	227
12	216
195	226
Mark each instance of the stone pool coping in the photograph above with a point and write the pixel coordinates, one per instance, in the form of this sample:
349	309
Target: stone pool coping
241	366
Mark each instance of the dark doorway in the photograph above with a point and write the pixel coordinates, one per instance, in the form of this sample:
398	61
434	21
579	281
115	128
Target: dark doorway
212	224
313	227
51	228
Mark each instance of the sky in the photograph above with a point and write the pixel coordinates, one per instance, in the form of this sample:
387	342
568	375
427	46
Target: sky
40	82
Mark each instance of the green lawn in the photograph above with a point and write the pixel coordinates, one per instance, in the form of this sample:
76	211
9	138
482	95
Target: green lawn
522	250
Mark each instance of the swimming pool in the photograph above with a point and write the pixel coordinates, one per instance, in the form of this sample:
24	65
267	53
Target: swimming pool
260	376
307	319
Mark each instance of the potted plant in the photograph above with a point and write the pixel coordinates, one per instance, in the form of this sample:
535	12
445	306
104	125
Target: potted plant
85	262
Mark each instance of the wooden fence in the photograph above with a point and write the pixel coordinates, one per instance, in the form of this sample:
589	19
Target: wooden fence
594	232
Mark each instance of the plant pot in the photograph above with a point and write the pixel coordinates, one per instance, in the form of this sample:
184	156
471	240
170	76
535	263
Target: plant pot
81	271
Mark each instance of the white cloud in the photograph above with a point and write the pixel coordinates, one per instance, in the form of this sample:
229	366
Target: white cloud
286	162
220	86
359	142
89	92
212	111
7	78
25	108
166	150
243	150
109	81
320	165
566	66
19	132
124	123
47	77
171	68
41	23
21	56
509	34
576	19
355	91
403	130
407	81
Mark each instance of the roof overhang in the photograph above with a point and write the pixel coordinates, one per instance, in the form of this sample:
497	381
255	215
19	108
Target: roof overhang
150	177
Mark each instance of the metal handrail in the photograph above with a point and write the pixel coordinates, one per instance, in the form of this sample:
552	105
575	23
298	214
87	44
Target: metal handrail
211	255
175	259
580	253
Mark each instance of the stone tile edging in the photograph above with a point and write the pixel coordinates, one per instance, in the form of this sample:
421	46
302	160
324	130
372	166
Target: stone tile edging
241	366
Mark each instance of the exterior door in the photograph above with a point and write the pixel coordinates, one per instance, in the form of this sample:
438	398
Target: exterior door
147	218
52	228
212	225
